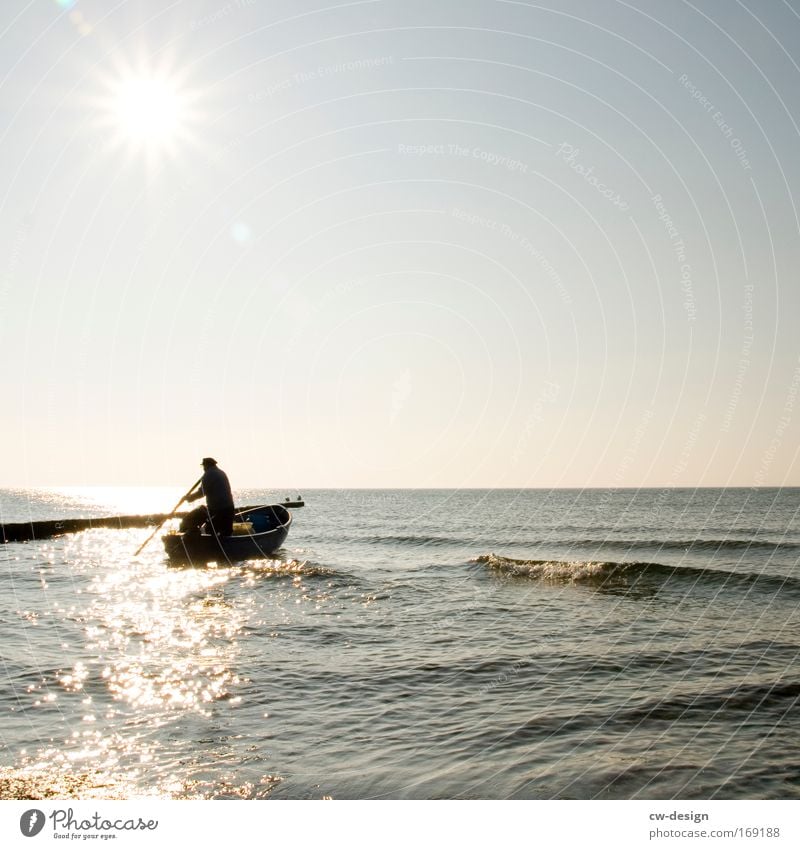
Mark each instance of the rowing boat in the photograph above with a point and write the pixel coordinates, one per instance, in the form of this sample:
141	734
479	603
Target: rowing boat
258	532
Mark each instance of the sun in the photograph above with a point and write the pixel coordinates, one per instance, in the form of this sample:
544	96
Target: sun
148	111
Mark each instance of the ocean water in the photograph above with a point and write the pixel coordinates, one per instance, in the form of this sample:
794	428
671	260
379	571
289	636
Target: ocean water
411	644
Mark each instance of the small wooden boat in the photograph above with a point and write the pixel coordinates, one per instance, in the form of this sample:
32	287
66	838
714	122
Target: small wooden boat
257	532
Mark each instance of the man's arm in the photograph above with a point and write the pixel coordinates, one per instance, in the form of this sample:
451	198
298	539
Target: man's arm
198	493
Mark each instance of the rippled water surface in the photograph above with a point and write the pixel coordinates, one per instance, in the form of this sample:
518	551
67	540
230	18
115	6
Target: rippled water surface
531	644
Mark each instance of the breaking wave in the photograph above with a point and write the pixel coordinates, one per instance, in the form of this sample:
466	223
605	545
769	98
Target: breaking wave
607	572
289	568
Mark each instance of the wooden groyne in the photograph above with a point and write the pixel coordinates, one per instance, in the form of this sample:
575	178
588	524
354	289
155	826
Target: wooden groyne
49	528
26	531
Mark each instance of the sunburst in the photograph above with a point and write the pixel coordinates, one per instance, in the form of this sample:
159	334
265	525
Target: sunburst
148	112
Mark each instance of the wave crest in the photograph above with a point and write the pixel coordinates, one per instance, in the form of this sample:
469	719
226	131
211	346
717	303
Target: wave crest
614	573
555	570
289	568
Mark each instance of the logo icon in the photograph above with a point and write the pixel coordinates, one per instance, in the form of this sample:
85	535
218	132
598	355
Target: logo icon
31	822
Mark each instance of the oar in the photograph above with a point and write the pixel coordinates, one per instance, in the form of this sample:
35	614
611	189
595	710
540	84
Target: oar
174	511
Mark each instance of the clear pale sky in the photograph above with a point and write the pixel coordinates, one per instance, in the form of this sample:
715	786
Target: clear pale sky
401	243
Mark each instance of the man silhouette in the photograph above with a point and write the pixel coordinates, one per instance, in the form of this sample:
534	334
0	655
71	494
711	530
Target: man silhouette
217	512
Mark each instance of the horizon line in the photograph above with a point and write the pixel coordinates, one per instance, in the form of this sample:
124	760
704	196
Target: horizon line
411	488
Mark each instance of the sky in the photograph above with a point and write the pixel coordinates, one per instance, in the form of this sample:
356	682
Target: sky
392	243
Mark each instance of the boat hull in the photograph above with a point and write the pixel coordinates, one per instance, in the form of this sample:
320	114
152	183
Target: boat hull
270	529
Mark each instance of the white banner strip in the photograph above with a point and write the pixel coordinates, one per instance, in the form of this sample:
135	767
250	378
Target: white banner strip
373	824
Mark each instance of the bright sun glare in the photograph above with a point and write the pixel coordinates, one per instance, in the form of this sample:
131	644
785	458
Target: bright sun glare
148	111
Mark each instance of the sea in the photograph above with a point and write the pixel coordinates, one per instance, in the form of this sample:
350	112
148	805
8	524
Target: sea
426	644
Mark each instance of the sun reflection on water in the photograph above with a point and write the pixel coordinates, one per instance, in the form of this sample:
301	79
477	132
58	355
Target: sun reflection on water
157	646
147	666
170	636
122	500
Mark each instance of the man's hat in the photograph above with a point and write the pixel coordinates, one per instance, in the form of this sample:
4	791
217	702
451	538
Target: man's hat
208	461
